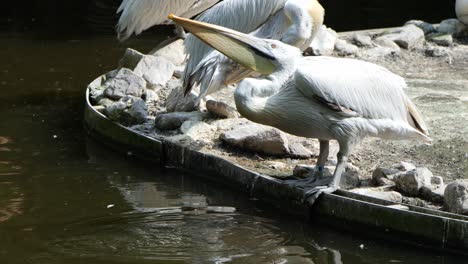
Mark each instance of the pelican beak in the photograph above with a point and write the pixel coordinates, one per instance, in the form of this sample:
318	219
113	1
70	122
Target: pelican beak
251	52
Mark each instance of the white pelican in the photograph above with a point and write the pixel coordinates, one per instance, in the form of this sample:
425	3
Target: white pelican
294	22
461	8
316	97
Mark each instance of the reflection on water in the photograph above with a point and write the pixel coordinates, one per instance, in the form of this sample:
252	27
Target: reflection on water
11	199
66	199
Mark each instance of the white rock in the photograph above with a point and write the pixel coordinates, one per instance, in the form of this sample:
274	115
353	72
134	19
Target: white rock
174	52
451	26
378	52
324	42
412	181
426	27
196	129
115	110
445	40
408	37
178	102
437	180
151	96
130	59
257	138
298	150
157	71
171	121
362	40
456	197
350	178
437	52
124	82
344	48
404	166
391	196
387	43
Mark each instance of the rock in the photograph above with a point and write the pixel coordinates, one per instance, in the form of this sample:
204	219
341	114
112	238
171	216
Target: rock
343	48
178	102
96	90
437	180
130	59
257	138
298	150
437	52
426	27
106	102
404	166
451	26
150	96
379	52
136	114
445	40
384	177
391	196
350	178
196	129
362	40
412	181
324	42
301	170
408	37
157	71
179	71
221	109
433	193
174	52
275	165
387	43
124	83
456	197
171	121
115	110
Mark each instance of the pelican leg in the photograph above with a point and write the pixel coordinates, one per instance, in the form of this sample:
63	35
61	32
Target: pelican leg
342	156
323	155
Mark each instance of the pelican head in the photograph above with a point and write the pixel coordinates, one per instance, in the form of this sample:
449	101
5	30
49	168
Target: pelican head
261	55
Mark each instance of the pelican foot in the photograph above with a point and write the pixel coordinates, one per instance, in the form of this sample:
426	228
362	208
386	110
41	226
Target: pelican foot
314	178
312	194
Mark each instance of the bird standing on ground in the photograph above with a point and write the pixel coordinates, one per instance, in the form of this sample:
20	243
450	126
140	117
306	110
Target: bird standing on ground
294	22
315	97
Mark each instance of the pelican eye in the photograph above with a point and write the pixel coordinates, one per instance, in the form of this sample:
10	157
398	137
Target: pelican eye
273	46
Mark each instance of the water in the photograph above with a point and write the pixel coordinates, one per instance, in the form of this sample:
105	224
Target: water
67	199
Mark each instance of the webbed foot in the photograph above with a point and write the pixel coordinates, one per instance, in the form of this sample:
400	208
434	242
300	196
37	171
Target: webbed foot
312	194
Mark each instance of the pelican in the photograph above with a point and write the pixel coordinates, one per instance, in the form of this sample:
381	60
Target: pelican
461	8
294	22
316	97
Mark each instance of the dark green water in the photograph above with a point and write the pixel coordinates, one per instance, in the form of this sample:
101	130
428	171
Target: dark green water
56	184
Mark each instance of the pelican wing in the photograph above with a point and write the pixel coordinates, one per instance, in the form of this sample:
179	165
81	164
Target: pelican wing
138	15
241	15
354	87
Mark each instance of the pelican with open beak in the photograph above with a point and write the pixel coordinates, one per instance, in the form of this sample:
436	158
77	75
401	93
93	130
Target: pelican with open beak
317	97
